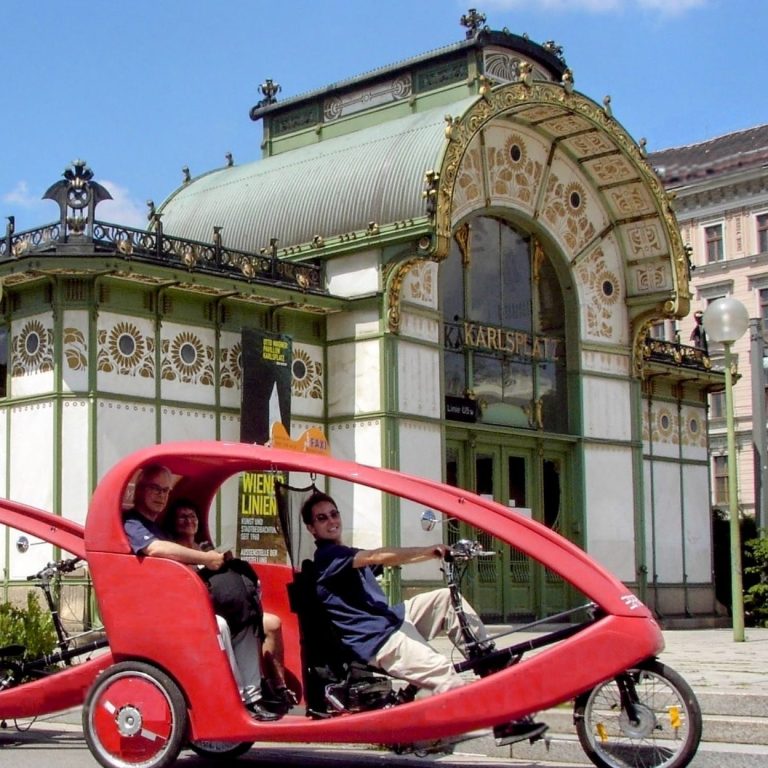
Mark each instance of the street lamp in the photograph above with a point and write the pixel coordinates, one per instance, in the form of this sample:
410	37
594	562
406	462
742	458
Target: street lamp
726	321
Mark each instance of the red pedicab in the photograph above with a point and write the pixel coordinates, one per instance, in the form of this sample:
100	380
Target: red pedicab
171	685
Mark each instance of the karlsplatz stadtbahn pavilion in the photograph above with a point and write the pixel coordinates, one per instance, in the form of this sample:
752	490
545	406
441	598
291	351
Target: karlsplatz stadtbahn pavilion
466	254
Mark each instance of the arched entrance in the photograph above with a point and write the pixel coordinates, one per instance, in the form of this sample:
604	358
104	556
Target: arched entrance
505	343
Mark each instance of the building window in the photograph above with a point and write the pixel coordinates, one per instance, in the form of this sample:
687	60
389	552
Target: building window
713	237
3	361
657	331
762	233
504	329
764	310
720	469
717	405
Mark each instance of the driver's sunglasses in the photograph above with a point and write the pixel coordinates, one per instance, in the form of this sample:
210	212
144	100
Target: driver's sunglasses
324	517
159	490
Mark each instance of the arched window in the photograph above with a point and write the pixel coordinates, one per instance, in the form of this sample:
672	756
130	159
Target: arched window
504	327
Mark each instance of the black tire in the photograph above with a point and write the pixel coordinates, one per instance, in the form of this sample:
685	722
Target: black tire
218	749
668	727
134	716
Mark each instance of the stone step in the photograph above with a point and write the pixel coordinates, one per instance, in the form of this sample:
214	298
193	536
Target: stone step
733	703
566	749
732	729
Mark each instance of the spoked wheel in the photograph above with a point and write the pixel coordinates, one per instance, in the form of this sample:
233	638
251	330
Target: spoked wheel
663	731
134	716
218	749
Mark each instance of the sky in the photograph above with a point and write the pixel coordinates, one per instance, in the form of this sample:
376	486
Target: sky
142	88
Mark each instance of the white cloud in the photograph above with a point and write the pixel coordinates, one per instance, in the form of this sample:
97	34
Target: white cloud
121	209
665	7
33	211
20	195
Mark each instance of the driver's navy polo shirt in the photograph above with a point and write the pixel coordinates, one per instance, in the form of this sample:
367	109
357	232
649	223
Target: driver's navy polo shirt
141	531
354	600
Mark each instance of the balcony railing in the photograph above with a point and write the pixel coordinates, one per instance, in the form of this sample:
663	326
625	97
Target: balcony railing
661	351
155	247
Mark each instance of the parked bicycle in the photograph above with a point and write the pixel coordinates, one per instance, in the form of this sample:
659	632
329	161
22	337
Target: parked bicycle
17	667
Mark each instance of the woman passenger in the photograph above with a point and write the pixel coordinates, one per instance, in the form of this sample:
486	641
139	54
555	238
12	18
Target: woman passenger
182	522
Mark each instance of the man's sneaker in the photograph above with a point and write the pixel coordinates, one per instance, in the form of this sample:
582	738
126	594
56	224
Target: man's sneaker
518	730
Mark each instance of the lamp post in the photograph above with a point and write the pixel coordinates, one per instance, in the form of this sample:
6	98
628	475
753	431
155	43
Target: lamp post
726	321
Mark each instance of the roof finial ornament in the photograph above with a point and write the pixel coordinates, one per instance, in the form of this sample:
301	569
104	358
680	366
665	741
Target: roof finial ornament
77	195
567	80
187	175
472	20
552	47
230	159
607	105
269	90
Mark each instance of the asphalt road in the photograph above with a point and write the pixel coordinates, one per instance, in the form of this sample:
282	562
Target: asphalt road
63	746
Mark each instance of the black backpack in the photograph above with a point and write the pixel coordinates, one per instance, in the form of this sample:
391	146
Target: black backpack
236	595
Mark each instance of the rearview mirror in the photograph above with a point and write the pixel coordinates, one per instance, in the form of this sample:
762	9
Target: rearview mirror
22	544
428	520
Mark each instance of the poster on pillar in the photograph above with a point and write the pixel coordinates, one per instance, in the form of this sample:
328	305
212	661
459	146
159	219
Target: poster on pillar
265	403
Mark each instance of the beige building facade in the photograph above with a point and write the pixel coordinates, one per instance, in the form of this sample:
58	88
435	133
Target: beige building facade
720	190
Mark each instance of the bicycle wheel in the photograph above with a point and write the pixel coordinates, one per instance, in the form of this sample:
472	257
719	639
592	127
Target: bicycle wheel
134	716
218	749
667	729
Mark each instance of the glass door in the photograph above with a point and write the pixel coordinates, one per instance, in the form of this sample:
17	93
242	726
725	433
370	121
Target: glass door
511	586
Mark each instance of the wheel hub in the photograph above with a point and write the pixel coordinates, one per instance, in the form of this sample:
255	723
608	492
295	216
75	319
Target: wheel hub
642	727
128	721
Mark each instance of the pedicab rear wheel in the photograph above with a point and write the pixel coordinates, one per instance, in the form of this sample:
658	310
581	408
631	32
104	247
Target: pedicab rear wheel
663	732
134	716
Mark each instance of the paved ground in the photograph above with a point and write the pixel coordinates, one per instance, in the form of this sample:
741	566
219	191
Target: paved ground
708	659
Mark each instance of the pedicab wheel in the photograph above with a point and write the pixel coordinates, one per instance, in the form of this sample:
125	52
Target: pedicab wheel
664	733
218	749
134	716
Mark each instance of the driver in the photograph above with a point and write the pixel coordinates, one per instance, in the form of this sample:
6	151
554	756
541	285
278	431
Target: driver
392	638
147	537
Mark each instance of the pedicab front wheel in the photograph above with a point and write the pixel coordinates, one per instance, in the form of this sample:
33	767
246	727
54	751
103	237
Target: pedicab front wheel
134	716
647	717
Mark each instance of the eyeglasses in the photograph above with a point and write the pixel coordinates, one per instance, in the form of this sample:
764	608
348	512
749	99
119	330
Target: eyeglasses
324	517
159	490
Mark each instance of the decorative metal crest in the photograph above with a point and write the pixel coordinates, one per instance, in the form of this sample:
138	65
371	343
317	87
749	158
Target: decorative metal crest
77	195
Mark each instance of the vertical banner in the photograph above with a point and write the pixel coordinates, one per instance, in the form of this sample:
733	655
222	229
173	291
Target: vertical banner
266	390
265	403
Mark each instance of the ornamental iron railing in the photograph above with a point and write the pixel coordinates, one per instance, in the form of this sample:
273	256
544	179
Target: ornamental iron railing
78	232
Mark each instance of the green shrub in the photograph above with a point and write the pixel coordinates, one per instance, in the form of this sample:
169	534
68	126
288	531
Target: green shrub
756	596
31	627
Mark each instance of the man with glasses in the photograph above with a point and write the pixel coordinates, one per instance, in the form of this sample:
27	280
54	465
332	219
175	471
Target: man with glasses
392	638
142	526
147	537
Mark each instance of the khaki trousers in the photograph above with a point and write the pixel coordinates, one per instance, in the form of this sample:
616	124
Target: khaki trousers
407	653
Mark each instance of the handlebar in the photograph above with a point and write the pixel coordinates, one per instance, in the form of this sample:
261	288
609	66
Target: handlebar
61	566
464	549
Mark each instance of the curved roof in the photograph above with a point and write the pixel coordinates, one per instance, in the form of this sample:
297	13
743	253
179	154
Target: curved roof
334	187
